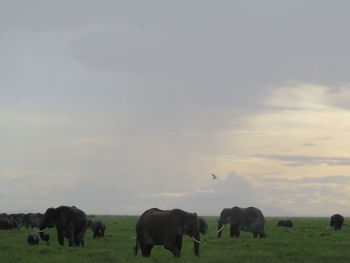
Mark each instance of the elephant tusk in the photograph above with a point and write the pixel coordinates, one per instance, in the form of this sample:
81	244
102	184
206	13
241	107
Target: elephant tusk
195	240
220	229
39	231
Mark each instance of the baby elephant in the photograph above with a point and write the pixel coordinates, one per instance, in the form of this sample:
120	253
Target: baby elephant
98	228
33	238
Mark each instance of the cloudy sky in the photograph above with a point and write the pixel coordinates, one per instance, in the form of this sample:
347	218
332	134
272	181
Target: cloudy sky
120	106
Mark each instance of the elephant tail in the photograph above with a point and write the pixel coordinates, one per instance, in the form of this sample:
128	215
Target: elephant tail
136	248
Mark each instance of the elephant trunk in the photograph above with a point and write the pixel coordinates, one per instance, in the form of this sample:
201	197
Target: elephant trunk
196	239
43	236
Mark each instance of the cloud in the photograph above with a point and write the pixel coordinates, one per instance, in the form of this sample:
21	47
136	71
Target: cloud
308	96
142	115
300	160
300	96
310	200
330	180
235	190
308	144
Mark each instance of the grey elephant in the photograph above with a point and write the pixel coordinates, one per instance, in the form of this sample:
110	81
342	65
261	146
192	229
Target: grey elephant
98	228
203	225
166	227
285	223
19	218
34	219
33	238
249	219
337	221
6	223
70	222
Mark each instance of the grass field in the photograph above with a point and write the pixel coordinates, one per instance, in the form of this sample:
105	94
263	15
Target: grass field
311	240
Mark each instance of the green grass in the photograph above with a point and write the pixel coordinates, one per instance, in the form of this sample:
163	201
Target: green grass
310	240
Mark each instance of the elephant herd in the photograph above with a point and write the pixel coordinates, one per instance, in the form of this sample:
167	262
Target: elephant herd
70	222
10	221
154	226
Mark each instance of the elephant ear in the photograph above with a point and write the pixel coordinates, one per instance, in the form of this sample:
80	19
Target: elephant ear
176	222
235	215
51	213
49	218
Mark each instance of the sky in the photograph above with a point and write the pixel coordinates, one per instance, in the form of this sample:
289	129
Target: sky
119	106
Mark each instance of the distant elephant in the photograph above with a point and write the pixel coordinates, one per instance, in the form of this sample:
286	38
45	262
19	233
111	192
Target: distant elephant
203	225
337	221
34	220
70	222
249	219
19	219
98	228
6	223
33	238
166	227
285	223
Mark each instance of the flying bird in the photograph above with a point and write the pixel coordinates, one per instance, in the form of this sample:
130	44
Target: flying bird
214	176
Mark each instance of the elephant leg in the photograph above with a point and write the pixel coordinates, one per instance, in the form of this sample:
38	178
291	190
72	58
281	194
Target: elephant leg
255	234
94	235
149	249
179	243
172	247
78	242
237	234
60	237
70	234
219	234
232	231
71	242
145	249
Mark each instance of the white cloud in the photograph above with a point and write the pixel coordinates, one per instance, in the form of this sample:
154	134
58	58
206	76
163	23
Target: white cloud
300	96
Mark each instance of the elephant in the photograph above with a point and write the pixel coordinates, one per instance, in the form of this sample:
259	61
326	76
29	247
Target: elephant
19	219
203	225
98	228
336	221
166	227
33	238
70	222
285	223
34	219
249	219
6	223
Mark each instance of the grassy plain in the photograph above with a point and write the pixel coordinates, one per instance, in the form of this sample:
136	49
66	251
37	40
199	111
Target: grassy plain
311	240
